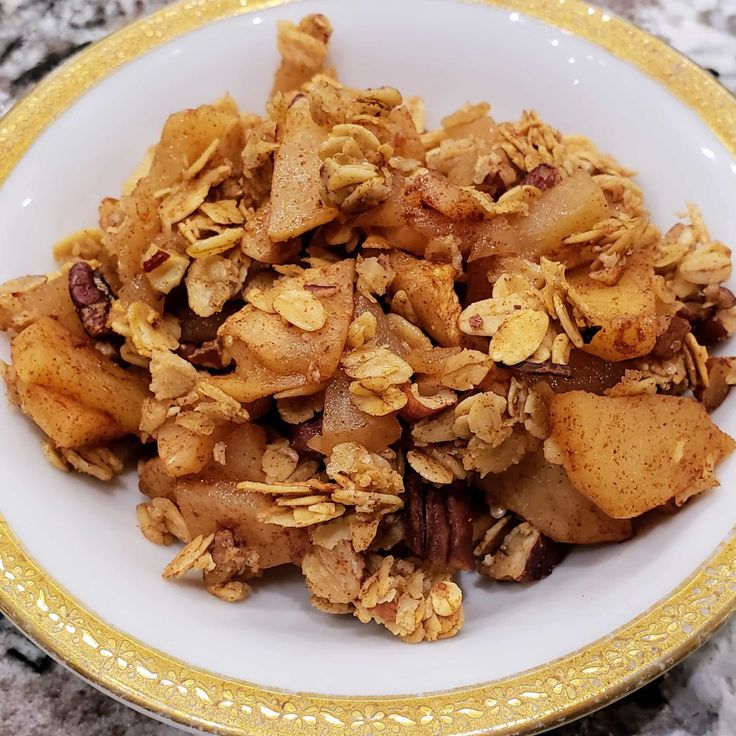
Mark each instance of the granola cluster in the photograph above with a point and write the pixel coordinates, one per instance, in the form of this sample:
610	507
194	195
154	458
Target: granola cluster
336	339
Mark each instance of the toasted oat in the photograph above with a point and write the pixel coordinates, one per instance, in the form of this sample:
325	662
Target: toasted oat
466	370
299	409
230	592
193	557
103	463
279	461
146	329
410	602
435	465
361	330
153	527
189	195
375	274
258	288
519	336
300	308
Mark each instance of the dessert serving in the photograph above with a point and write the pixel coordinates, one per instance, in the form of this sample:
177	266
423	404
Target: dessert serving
336	339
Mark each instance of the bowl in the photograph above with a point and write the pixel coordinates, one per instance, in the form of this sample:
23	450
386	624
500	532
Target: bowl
76	575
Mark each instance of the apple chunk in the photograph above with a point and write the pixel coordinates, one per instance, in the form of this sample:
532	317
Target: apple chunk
208	506
541	493
630	454
47	354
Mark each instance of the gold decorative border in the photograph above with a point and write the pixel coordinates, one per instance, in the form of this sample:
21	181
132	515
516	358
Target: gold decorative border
531	701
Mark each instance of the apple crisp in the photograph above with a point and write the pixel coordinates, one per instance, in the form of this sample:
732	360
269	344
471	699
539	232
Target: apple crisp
333	338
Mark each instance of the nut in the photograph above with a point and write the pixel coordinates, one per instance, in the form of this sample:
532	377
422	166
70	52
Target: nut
542	177
721	377
526	555
92	298
301	434
465	370
419	407
155	259
670	342
438	525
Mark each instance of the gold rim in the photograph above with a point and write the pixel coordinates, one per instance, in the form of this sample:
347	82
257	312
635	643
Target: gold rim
531	701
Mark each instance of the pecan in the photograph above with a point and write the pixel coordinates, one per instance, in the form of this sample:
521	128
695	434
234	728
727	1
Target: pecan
542	177
694	312
671	340
198	329
710	331
154	261
437	528
721	377
301	434
92	297
526	555
495	534
206	355
438	525
415	530
725	298
460	555
419	407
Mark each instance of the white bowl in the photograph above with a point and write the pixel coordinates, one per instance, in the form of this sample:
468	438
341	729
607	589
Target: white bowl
76	574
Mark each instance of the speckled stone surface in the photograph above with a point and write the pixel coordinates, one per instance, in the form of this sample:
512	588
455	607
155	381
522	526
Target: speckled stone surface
40	698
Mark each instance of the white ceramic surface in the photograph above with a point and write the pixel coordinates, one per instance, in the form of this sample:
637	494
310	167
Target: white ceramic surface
84	533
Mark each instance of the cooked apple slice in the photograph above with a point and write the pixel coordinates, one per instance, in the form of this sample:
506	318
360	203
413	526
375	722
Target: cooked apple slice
541	493
630	454
211	505
626	312
66	421
430	288
275	355
49	355
296	191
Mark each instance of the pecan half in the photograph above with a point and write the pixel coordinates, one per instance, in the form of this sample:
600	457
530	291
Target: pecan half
670	341
526	555
710	331
154	261
725	298
438	525
419	407
721	378
92	298
542	177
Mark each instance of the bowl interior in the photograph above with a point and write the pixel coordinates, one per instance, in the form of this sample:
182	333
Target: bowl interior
84	534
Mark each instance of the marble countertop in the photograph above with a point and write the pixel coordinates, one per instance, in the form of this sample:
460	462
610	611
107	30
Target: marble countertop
40	698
